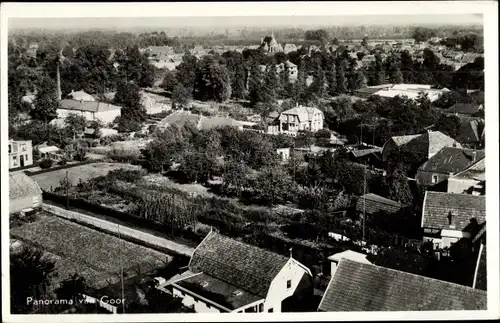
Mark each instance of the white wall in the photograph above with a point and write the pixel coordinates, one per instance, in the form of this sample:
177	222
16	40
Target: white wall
104	116
458	186
278	289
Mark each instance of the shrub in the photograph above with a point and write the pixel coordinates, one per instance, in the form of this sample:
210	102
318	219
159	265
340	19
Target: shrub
124	156
62	162
46	163
126	175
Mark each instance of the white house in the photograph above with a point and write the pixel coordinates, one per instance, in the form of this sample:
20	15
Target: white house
226	275
20	153
301	118
91	110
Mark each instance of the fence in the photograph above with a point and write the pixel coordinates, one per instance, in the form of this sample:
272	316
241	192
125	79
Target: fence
24	167
59	167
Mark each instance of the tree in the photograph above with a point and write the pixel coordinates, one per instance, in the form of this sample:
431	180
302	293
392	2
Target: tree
133	112
169	81
341	83
449	125
180	96
364	42
75	123
234	176
212	81
398	187
30	275
73	287
134	66
46	102
335	41
186	71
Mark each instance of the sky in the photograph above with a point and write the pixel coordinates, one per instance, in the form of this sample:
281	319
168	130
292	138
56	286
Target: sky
241	21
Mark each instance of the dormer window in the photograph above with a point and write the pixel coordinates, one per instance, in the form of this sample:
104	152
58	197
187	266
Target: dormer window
204	284
237	293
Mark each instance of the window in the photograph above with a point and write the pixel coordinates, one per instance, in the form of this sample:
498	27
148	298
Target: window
434	179
23	147
289	284
10	149
270	310
26	157
14	160
261	307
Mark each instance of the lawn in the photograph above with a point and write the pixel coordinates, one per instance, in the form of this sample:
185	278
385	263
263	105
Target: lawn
93	254
83	172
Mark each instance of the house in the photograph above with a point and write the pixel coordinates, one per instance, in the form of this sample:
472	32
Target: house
301	118
447	162
358	287
24	193
80	96
290	48
50	152
153	103
270	45
225	275
91	110
447	218
430	141
372	204
470	181
20	153
335	259
367	155
283	153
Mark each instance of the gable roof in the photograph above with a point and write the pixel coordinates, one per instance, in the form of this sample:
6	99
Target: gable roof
463	207
477	171
401	140
363	152
179	118
22	186
452	160
245	266
470	132
376	203
78	94
434	141
303	113
364	287
90	106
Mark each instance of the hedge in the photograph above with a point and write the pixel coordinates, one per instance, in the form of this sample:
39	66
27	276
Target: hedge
23	168
60	167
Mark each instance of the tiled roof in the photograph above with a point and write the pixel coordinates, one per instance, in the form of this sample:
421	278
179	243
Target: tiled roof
463	207
363	152
434	140
244	266
364	287
91	106
476	171
179	118
469	131
22	186
452	160
464	108
376	203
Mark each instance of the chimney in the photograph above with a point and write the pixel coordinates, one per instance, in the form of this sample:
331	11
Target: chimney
261	40
474	156
58	83
334	264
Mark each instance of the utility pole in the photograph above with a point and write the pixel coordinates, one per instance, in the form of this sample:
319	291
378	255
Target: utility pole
67	190
121	271
364	202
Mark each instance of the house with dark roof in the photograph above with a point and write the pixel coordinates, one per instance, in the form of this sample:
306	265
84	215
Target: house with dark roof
24	193
359	287
301	118
447	218
372	204
431	142
446	163
225	275
469	181
471	132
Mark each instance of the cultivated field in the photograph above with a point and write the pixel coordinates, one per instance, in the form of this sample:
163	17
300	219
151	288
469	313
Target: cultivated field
83	172
92	254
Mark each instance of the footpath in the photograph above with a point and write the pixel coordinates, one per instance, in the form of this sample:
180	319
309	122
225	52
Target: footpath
121	230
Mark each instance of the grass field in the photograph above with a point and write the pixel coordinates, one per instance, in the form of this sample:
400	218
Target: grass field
93	254
83	172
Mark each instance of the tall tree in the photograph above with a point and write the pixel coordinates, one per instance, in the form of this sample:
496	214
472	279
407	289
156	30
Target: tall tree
169	81
180	96
133	113
75	123
341	82
46	102
212	80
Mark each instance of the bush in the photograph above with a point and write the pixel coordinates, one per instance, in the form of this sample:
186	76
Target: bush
46	163
62	162
124	156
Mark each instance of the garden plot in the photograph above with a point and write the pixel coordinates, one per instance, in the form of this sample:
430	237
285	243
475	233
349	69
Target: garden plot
95	255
